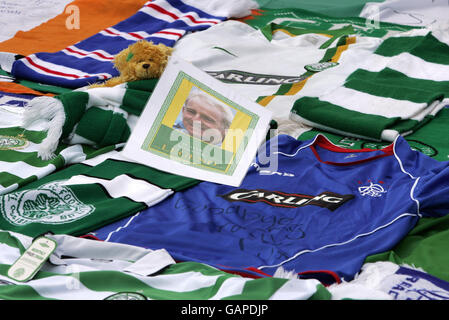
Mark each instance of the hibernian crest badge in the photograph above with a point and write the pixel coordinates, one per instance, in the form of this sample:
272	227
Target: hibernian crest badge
52	203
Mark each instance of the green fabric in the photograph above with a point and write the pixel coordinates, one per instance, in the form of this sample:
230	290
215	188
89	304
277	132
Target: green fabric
405	126
270	28
340	8
6	239
103	127
332	51
363	118
28	158
426	47
122	282
105	208
321	294
98	124
344	120
13	159
137	95
260	290
110	167
328	54
8	179
45	88
302	17
31	135
425	247
178	281
393	84
427	139
74	107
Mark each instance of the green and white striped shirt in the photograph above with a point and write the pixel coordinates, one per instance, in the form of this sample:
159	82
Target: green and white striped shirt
84	269
382	88
87	195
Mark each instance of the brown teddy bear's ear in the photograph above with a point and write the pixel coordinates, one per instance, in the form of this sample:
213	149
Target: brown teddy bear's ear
122	58
166	50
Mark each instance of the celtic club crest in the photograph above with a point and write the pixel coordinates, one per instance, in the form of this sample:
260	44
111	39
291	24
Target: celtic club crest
52	203
126	296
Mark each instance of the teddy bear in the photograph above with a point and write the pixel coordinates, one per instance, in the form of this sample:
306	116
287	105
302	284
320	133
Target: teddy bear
141	60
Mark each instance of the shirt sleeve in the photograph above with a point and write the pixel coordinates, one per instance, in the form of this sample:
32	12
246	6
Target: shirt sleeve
432	191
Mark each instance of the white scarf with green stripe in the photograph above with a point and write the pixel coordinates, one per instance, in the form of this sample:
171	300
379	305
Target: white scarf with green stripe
382	88
98	117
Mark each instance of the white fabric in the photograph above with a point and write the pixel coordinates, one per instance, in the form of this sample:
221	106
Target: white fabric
151	263
235	46
382	280
6	61
329	85
125	186
249	50
366	103
74	256
407	12
228	8
25	15
11	116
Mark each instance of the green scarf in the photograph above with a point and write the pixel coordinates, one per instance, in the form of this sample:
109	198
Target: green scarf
98	117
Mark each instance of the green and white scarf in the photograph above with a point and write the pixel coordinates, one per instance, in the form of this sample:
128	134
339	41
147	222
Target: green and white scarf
91	122
19	162
98	117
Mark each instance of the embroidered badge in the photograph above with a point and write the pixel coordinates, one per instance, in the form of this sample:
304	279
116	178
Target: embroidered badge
373	190
13	143
52	203
126	296
320	66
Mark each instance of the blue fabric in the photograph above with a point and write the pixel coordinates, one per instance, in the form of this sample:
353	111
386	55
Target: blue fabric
15	99
322	208
90	70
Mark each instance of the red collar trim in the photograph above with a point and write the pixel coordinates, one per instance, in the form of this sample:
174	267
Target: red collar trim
323	142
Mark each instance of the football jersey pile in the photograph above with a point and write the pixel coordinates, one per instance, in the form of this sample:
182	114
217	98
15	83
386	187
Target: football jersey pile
349	199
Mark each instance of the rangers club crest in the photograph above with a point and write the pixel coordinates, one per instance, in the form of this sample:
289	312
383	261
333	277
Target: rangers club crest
372	190
52	203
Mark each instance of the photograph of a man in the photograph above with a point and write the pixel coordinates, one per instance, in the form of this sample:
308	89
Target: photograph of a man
204	117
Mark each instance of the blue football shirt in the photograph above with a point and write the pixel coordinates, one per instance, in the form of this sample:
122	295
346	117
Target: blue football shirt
308	206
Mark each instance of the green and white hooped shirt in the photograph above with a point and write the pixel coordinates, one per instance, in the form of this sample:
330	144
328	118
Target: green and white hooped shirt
87	195
380	90
84	269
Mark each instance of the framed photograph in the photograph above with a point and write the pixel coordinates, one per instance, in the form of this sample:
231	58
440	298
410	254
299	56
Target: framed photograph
195	126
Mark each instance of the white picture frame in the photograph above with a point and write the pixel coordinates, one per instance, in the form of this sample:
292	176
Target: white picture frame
195	126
